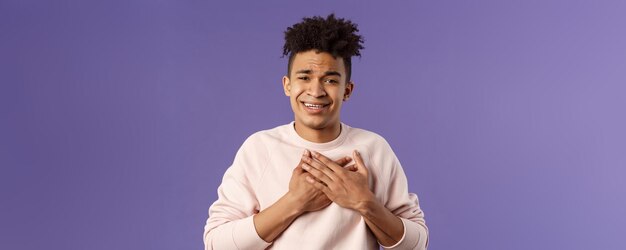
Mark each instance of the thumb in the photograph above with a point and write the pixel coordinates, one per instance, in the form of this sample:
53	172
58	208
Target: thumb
361	168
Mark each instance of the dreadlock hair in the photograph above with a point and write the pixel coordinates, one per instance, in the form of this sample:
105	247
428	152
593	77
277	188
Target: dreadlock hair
335	36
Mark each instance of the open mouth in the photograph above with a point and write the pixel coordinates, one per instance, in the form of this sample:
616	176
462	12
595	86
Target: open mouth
315	107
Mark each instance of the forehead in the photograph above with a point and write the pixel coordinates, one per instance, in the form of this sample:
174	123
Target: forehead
318	62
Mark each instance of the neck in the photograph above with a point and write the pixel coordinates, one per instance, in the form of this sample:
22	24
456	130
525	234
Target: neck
322	135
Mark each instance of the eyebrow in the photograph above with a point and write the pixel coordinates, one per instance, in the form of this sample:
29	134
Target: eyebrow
327	73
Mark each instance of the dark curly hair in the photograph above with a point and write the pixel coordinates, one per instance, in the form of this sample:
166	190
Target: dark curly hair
335	36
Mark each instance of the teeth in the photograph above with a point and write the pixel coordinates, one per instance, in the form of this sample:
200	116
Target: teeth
313	105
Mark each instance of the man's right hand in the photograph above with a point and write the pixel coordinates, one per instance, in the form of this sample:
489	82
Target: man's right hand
307	196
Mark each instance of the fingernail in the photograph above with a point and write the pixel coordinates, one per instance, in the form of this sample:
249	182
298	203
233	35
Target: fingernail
316	153
306	152
305	167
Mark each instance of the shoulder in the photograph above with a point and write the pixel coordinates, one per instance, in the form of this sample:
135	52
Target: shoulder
254	154
265	138
368	138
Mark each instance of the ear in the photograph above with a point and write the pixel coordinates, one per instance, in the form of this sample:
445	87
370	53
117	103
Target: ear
287	85
348	90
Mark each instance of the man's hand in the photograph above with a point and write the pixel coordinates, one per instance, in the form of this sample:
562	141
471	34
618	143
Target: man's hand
309	197
349	189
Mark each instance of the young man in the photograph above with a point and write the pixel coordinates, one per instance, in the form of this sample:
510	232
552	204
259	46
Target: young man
316	183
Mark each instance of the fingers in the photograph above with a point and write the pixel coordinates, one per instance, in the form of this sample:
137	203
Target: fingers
328	162
306	153
343	161
317	173
352	168
318	185
298	169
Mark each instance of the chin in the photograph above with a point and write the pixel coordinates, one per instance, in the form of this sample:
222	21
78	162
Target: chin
314	123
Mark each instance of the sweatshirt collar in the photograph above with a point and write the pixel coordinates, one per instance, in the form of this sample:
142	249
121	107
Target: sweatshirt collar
319	146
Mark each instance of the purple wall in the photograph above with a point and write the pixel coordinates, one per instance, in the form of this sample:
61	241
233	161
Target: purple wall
118	118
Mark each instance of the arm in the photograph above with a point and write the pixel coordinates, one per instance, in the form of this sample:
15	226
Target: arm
387	227
230	224
234	221
405	205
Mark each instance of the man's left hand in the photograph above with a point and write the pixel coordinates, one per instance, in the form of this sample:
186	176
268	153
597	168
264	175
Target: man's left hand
348	187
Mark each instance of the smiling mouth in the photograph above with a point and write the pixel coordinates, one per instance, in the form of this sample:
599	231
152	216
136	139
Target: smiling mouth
314	108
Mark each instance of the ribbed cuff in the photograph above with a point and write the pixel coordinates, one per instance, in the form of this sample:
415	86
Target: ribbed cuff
246	237
412	238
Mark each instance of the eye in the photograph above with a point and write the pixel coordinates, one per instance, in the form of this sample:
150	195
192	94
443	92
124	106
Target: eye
303	78
331	81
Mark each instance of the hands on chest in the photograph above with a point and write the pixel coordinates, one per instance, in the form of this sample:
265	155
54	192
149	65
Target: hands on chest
317	181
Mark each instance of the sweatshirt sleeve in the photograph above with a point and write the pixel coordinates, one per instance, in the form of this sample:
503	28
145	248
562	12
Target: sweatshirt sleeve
405	205
230	224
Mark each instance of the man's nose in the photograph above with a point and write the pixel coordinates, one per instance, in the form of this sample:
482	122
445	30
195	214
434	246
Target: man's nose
316	89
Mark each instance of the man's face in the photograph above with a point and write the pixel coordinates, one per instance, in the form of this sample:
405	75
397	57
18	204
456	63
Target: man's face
317	88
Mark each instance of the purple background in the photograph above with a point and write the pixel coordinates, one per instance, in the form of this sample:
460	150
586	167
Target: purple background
118	118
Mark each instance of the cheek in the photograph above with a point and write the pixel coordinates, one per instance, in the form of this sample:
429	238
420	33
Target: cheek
293	95
295	91
337	95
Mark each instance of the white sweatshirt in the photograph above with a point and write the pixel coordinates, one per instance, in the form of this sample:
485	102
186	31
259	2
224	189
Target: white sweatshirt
260	175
